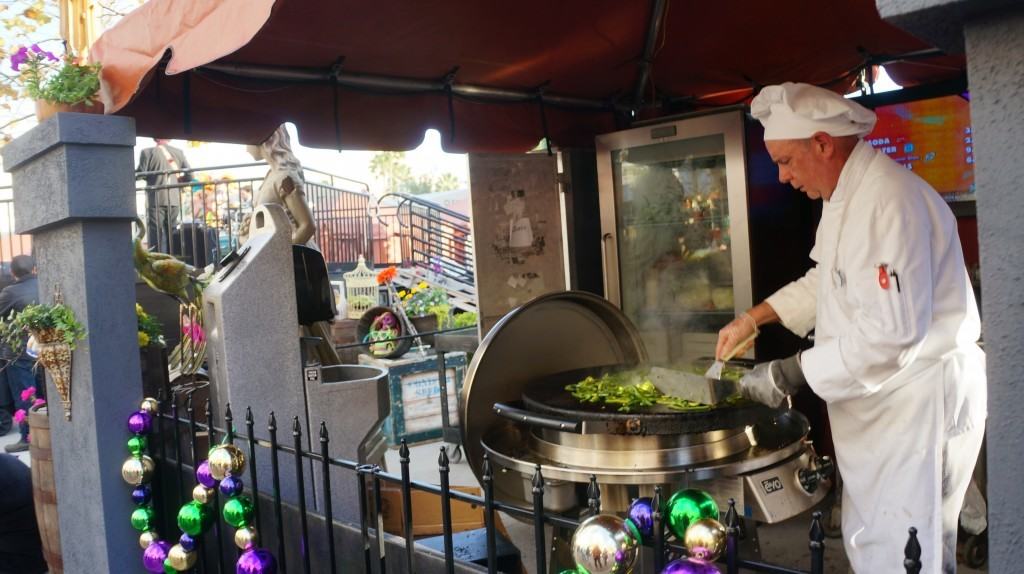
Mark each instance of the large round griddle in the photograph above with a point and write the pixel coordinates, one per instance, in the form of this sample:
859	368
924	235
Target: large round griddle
547	396
550	334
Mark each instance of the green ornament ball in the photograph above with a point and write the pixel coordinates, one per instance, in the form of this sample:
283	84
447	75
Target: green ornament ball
194	518
238	511
168	567
142	518
686	507
634	531
137	445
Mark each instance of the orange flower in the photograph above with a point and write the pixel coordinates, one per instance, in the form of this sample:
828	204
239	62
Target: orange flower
386	275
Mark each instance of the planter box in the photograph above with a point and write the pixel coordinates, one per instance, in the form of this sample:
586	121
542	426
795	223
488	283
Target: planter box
416	395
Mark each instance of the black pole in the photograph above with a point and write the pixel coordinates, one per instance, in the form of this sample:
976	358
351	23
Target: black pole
276	474
817	544
732	541
328	510
378	521
488	482
404	460
594	496
538	520
659	531
446	510
211	435
304	523
250	426
912	553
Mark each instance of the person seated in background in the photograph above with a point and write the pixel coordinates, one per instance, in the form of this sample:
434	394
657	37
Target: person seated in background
21	550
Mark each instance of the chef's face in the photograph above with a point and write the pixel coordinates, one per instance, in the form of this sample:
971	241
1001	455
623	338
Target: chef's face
802	165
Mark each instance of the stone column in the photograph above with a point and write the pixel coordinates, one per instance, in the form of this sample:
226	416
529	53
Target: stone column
74	193
992	33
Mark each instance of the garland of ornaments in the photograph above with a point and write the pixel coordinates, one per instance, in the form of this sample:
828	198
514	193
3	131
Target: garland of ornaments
221	470
608	544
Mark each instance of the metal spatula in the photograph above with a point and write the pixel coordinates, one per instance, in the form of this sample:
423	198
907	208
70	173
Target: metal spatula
715	370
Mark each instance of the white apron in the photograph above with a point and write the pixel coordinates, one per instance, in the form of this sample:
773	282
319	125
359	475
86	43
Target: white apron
895	359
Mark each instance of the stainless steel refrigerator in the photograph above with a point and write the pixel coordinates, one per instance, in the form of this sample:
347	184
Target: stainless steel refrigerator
675	235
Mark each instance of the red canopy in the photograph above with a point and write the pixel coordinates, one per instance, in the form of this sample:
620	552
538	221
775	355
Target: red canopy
588	51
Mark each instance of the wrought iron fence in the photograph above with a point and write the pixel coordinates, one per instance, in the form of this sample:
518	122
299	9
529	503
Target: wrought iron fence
179	439
431	237
201	219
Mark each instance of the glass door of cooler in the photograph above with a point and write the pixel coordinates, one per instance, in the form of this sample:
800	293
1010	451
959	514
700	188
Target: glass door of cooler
675	238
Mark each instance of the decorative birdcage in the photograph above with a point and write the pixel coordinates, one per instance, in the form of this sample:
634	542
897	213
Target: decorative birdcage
360	289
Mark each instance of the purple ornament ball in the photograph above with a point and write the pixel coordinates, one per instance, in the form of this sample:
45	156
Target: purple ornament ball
690	566
641	513
231	486
141	494
256	561
154	556
203	475
187	542
140	422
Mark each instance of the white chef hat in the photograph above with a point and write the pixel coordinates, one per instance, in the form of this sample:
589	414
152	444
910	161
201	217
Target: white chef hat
792	111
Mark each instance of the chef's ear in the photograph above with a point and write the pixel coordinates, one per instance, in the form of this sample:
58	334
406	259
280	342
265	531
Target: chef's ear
822	144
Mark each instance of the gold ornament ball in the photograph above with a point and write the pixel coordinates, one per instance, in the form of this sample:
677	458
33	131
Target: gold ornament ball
245	537
147	538
705	539
136	471
203	495
181	559
149	405
226	459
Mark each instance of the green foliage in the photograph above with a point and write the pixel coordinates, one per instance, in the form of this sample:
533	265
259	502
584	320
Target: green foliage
463	320
59	81
150	329
39	318
426	300
390	167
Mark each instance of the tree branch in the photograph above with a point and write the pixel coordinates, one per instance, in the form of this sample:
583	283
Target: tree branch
16	120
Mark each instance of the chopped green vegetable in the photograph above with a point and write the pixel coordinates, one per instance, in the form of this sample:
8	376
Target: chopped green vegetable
628	390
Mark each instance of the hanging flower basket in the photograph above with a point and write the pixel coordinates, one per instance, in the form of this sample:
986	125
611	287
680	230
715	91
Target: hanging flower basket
55	357
54	332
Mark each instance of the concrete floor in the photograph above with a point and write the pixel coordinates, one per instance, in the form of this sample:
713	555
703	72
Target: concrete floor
784	544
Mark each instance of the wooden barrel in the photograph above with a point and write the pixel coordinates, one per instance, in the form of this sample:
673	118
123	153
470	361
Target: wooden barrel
44	490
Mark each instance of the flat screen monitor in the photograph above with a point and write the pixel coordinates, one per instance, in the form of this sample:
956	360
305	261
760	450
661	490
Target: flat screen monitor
933	138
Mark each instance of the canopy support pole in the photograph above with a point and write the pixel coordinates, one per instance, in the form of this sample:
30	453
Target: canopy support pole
653	29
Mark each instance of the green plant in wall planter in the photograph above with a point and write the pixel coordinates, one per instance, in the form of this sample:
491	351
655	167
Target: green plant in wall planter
54	331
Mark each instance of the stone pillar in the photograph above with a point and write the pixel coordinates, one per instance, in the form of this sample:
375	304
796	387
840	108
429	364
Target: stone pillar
74	193
992	33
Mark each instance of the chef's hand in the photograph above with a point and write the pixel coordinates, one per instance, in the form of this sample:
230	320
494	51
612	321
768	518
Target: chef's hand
734	333
770	383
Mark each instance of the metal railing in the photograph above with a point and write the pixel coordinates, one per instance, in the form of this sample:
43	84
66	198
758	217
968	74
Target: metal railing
200	220
370	555
432	237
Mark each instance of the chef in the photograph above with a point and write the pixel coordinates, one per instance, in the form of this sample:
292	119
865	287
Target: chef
896	325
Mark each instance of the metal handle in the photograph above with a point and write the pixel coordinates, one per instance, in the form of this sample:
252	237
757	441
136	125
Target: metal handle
523	416
604	262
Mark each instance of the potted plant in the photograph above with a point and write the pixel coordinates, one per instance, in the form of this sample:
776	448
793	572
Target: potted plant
57	84
54	331
427	308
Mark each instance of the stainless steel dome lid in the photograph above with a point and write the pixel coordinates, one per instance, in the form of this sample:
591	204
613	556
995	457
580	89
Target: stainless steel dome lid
553	333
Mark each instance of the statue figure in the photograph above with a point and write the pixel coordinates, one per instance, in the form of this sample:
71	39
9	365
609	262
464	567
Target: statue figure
284	186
